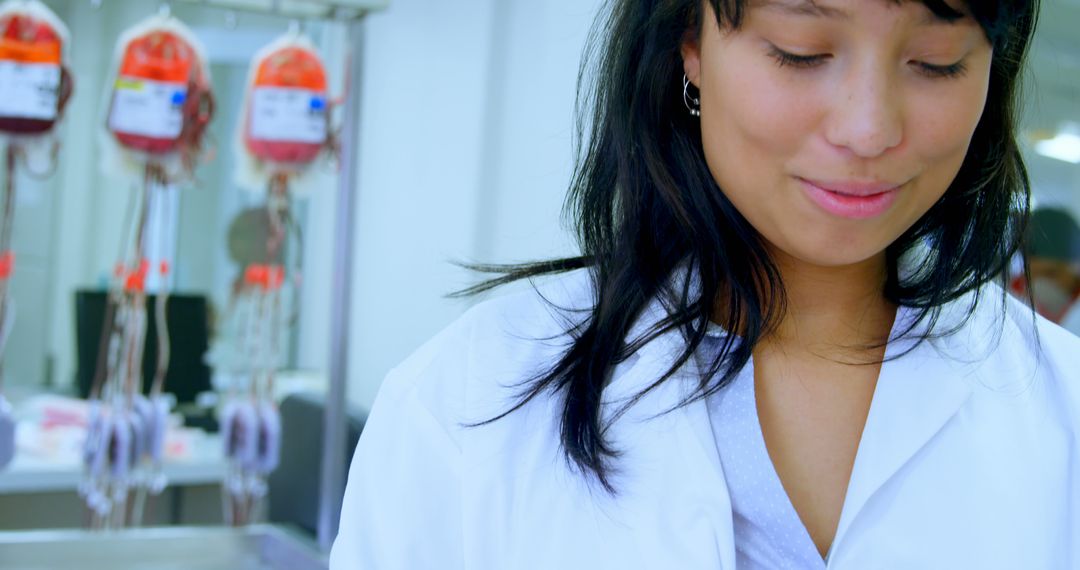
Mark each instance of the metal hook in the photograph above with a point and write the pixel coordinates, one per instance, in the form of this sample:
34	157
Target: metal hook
165	10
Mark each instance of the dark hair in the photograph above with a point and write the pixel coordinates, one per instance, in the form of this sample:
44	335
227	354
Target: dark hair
644	204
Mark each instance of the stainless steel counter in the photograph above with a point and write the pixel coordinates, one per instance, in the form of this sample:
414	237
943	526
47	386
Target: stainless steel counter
260	547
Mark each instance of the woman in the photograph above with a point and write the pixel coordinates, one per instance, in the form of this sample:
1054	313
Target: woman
784	345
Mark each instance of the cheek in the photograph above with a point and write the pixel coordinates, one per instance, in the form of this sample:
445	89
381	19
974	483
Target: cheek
941	128
943	137
751	122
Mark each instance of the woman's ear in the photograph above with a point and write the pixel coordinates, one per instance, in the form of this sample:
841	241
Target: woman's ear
691	56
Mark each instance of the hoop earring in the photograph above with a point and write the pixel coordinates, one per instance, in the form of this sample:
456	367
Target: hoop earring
693	104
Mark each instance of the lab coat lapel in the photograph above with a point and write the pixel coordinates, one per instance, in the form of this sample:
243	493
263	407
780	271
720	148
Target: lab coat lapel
916	395
695	418
674	478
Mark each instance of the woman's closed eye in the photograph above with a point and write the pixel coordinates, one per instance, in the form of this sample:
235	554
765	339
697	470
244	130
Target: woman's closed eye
800	61
786	58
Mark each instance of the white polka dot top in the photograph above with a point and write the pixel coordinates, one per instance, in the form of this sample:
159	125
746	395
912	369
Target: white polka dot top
768	531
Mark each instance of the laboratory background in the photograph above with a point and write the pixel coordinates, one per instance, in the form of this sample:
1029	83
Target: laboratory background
222	222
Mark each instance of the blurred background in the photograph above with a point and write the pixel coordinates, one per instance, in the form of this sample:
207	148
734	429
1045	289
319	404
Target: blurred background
463	152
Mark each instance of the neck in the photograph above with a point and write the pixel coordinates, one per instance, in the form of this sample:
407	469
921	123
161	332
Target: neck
833	311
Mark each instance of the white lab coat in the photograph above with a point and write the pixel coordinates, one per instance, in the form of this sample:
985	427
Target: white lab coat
969	457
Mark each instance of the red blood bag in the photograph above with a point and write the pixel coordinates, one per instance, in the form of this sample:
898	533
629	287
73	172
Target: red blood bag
33	79
286	120
161	100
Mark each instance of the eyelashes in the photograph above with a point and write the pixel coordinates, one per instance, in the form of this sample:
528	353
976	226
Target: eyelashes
787	59
945	71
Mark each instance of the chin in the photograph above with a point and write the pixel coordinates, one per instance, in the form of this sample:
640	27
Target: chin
830	254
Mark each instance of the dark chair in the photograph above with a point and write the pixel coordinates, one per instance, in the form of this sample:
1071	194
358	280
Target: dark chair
294	485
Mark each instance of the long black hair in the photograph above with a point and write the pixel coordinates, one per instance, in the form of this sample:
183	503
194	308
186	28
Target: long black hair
644	203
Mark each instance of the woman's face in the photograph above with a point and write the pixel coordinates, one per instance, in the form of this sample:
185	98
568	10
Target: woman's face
833	126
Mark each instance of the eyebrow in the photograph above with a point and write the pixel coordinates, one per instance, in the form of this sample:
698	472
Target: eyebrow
814	9
805	8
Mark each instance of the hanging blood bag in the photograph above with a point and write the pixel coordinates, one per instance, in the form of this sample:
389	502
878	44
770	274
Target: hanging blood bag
161	100
286	115
34	80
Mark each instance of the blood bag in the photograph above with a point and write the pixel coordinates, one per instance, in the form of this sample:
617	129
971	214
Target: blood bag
161	100
285	122
34	80
287	114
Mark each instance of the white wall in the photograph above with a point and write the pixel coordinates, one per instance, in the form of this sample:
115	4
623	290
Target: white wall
465	155
528	155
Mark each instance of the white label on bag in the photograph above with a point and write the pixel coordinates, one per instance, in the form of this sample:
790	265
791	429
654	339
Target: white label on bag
288	114
148	108
29	90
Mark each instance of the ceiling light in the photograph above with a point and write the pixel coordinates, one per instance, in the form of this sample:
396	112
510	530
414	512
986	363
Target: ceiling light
1063	146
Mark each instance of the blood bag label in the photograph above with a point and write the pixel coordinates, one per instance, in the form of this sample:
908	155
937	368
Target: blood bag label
148	108
288	115
29	90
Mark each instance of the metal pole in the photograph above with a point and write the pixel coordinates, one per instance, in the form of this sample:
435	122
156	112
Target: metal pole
332	485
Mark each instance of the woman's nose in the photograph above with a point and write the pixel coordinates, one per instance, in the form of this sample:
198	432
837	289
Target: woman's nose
867	115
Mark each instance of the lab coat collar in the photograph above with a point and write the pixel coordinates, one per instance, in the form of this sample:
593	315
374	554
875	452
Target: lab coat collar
919	390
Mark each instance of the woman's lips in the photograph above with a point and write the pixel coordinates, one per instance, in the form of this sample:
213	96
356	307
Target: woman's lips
853	200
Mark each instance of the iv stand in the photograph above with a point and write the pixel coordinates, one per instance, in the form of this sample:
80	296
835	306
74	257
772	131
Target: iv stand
332	485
